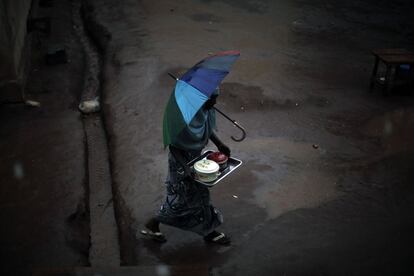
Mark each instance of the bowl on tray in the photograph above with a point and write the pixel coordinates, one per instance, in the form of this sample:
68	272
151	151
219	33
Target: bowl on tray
220	158
206	170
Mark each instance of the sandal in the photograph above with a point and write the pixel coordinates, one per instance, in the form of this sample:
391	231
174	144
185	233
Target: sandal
155	236
218	238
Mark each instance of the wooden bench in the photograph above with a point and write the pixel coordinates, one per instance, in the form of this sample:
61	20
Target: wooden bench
395	61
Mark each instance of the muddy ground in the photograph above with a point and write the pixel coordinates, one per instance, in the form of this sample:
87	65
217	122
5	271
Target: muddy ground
43	192
326	184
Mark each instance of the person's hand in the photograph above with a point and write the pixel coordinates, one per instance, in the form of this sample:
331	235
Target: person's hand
224	149
210	102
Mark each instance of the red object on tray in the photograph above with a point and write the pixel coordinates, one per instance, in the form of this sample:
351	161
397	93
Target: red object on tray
220	158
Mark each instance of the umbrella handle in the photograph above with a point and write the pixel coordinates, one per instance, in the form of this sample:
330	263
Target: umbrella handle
234	123
242	130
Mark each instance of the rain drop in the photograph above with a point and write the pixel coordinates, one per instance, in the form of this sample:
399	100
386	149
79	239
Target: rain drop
387	127
18	170
163	270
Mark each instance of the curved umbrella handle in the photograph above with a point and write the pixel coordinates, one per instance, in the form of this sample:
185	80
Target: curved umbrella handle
234	123
242	130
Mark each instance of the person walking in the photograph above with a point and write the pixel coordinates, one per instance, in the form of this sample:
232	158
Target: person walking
187	205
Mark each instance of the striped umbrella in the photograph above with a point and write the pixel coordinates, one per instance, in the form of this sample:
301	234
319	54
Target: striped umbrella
192	90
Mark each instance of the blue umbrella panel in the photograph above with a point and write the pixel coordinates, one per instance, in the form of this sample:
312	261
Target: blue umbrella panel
192	90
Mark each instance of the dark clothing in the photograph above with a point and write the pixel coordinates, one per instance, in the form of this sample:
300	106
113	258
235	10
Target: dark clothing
195	136
187	205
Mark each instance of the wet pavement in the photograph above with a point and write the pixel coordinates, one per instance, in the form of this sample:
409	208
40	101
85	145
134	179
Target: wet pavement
325	188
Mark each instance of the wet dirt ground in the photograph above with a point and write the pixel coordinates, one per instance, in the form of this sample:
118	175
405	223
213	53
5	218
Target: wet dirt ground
43	193
326	184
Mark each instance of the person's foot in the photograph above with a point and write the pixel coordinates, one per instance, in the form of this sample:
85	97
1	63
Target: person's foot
218	238
155	236
153	231
153	225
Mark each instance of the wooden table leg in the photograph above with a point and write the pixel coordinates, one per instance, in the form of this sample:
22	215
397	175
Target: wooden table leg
411	79
373	75
389	80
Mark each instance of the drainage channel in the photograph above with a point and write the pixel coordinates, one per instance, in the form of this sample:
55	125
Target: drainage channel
104	250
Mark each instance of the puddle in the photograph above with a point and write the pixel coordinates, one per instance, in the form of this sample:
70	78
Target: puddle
302	189
239	97
395	129
236	96
317	101
206	17
287	175
256	6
